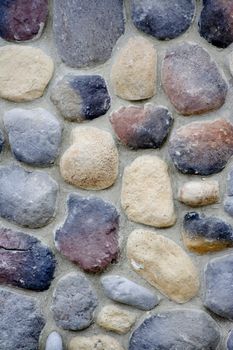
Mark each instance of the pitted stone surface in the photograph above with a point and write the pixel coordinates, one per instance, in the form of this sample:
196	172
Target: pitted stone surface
54	342
102	342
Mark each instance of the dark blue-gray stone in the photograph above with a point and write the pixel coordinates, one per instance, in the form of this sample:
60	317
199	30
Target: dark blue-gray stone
87	30
179	329
2	140
164	19
230	341
34	135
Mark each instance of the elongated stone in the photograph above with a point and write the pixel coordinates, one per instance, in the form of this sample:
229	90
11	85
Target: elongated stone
163	264
89	30
202	148
192	80
2	140
230	341
89	236
103	342
228	202
54	342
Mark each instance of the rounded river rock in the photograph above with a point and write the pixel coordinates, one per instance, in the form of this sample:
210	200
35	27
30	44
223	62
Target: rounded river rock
95	342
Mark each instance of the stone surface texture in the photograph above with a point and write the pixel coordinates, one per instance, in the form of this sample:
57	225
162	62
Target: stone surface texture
103	342
54	342
228	202
230	341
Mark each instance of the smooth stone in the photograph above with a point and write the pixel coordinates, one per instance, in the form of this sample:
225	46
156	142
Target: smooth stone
163	264
203	234
21	321
91	162
165	19
230	341
89	236
202	148
54	342
27	198
133	73
81	97
74	302
24	72
89	30
146	193
183	329
228	202
218	281
98	342
192	80
34	135
142	127
215	23
115	319
124	291
22	20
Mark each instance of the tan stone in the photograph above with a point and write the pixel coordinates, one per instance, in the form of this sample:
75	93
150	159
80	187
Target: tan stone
134	70
92	161
97	342
24	72
164	264
146	192
116	319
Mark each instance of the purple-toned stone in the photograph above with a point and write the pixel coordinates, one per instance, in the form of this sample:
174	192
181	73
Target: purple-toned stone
228	202
22	20
192	80
89	236
142	127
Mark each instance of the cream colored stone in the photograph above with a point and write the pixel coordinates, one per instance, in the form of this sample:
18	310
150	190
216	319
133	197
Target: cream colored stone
116	319
134	73
164	264
146	192
199	193
24	72
97	342
91	162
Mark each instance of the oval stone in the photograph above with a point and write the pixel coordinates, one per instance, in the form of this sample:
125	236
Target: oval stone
103	342
54	342
163	264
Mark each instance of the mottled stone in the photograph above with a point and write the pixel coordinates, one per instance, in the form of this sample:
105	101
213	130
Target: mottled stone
81	97
142	127
34	135
230	341
2	140
134	73
146	193
228	202
21	321
216	22
74	302
218	281
24	72
192	80
102	342
202	148
27	198
89	236
22	20
124	291
183	329
54	342
91	162
165	19
89	30
163	264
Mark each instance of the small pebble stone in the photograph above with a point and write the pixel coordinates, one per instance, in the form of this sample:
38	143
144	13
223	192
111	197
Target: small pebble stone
218	281
187	329
230	341
34	135
22	20
54	342
202	148
192	80
133	73
165	19
228	202
74	302
81	97
24	72
98	342
146	193
204	234
27	198
142	127
124	291
215	23
89	30
21	321
91	162
116	319
163	264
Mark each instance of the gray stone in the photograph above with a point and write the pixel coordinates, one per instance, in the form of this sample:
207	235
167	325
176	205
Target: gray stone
54	342
228	202
230	341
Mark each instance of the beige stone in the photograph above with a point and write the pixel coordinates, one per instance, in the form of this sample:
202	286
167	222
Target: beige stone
199	193
133	73
92	160
97	342
116	319
164	264
24	72
146	192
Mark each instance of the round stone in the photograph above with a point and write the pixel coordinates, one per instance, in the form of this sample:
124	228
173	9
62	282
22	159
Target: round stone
102	342
54	342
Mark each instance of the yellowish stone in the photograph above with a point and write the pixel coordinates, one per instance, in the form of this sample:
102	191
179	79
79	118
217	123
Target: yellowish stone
97	342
